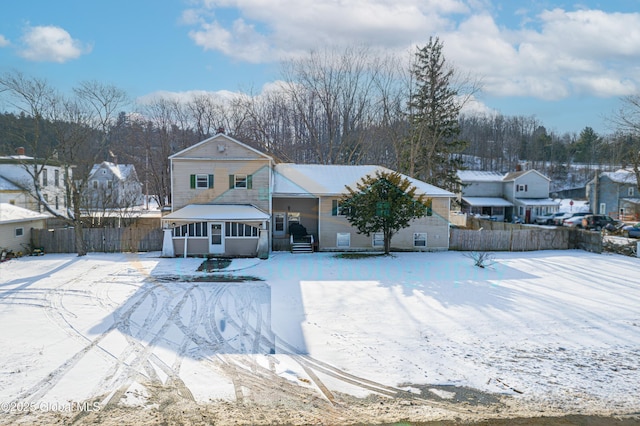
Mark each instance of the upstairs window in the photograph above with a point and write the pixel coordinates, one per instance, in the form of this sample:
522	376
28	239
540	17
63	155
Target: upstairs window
240	181
56	177
201	181
522	188
45	180
337	209
631	191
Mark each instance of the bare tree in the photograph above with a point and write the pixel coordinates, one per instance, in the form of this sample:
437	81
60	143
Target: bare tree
331	94
81	124
627	120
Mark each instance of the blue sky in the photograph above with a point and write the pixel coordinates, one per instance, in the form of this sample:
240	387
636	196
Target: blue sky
567	63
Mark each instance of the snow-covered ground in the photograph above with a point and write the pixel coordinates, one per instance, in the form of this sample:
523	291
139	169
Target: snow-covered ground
544	332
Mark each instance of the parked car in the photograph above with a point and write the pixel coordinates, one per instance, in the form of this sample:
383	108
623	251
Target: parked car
598	221
573	222
631	231
559	219
547	219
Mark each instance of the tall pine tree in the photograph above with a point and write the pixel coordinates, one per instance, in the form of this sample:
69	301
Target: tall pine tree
431	151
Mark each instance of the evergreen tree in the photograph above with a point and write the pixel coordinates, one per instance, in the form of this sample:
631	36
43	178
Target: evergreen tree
385	203
431	152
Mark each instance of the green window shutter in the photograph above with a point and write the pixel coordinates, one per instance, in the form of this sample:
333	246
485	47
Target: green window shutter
334	207
193	181
232	181
210	181
249	181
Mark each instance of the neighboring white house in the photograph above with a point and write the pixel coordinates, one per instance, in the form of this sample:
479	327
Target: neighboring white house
233	200
16	224
523	194
112	186
17	187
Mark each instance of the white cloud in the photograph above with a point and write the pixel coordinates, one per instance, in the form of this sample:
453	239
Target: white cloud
51	44
273	31
549	55
187	96
3	41
581	52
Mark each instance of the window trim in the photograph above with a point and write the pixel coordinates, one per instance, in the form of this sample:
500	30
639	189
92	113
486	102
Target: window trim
18	232
237	228
202	181
240	181
416	239
342	236
191	230
336	210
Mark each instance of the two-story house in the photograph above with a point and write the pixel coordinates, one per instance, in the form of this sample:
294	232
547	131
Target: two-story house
112	186
17	185
230	199
523	194
615	194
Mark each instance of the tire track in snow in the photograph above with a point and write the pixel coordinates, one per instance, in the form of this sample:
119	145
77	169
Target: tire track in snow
116	396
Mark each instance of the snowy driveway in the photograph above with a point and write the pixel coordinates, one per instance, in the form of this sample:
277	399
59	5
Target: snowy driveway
557	329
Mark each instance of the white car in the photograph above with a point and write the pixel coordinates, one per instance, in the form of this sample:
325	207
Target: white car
547	219
573	222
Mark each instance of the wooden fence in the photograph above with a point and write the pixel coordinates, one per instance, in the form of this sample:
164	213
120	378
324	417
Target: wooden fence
524	238
107	240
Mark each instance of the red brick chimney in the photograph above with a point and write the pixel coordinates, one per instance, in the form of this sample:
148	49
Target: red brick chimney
20	150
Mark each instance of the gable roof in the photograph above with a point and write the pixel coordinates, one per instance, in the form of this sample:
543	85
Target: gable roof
10	214
120	171
320	179
213	138
509	177
621	176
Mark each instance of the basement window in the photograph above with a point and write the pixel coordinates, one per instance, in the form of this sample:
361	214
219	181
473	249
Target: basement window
343	239
420	239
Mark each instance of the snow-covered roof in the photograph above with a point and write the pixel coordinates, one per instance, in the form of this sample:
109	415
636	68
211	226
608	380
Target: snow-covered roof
487	201
515	175
320	179
205	212
621	176
479	176
538	201
10	213
120	171
7	185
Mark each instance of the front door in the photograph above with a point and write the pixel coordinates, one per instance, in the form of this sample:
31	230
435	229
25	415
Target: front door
216	237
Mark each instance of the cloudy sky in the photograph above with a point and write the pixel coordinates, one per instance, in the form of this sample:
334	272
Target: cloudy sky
567	63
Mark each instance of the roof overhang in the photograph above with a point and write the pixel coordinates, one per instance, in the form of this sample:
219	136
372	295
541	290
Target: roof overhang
217	212
487	202
537	202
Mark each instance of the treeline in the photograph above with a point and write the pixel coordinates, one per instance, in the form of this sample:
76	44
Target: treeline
348	107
